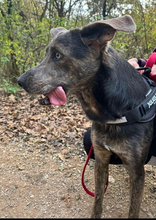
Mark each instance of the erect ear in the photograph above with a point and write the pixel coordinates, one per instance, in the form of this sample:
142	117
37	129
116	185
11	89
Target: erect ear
104	30
55	31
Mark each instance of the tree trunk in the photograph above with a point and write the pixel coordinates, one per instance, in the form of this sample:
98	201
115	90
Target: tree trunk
14	68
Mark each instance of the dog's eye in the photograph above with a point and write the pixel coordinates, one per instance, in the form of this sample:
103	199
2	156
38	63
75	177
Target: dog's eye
58	55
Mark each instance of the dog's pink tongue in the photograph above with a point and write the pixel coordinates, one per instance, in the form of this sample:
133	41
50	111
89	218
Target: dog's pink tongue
57	96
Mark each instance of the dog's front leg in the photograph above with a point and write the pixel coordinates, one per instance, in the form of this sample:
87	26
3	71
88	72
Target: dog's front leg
102	158
137	176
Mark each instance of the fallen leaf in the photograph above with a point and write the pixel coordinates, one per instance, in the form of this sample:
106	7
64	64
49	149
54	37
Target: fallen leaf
12	98
67	200
20	167
62	157
65	151
1	131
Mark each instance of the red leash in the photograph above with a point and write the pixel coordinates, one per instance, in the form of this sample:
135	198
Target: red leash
82	179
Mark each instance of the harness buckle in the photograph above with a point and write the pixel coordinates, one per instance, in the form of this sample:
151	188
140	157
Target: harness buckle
145	74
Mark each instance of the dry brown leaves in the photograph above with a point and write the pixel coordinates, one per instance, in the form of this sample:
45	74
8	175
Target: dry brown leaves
22	117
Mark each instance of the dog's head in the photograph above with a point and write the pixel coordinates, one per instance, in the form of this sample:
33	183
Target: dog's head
71	57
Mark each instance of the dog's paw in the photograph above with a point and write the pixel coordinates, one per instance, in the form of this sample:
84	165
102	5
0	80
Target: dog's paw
95	216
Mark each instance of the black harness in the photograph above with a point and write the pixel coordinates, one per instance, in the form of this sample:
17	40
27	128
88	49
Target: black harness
147	109
144	112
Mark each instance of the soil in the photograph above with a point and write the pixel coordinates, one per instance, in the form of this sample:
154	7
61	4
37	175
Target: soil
42	158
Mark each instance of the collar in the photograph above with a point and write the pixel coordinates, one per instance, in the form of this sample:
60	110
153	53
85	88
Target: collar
145	111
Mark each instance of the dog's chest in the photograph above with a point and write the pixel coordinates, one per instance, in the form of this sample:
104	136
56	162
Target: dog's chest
109	144
107	147
110	140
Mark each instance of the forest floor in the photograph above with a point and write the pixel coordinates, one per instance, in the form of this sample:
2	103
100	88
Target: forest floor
42	159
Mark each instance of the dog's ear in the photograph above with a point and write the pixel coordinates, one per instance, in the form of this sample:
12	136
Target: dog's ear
103	31
55	31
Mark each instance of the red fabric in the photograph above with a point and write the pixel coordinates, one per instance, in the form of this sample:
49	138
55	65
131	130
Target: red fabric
150	62
153	77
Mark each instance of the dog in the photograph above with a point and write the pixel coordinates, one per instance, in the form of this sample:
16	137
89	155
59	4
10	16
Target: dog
81	61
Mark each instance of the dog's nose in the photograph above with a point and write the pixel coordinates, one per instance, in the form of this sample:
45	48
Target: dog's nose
20	81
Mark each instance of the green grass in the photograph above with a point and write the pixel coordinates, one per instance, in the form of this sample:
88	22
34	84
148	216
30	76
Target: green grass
6	85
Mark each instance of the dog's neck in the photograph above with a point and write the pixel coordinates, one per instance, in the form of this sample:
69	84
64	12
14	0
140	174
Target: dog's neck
112	90
90	105
93	109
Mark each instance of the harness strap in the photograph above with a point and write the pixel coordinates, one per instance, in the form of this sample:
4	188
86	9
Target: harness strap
146	110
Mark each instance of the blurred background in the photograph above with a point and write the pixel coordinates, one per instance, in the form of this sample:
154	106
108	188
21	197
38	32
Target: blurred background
25	29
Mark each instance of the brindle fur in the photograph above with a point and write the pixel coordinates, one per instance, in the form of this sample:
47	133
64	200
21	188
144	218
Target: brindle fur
106	86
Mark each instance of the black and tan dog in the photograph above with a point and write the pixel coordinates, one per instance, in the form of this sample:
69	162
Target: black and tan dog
81	62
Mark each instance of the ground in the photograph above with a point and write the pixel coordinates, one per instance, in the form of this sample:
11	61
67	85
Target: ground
42	159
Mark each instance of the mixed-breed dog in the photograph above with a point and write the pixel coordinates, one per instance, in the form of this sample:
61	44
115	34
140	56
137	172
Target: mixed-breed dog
112	93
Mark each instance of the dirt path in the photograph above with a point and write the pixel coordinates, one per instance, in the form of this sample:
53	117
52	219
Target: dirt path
42	158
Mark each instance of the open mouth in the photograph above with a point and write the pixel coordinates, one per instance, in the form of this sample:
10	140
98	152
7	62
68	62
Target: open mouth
56	96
